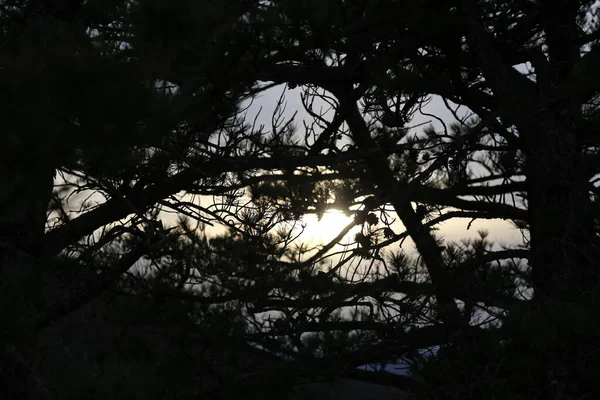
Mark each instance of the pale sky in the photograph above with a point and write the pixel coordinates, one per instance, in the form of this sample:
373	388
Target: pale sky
500	232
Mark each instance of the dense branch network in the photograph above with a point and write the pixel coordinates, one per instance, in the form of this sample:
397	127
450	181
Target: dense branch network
521	149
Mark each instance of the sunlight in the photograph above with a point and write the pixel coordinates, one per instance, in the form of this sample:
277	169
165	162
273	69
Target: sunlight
323	231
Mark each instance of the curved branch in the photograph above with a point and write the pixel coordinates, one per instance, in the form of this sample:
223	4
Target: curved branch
89	290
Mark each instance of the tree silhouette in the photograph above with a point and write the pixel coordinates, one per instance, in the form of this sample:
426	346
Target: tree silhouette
118	115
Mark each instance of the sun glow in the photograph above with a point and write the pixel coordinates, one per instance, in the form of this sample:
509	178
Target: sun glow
324	230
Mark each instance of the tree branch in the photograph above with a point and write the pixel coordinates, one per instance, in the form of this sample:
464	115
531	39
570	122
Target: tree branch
515	91
401	200
89	290
141	198
386	379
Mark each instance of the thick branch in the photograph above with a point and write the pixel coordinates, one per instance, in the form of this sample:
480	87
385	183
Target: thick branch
387	379
384	179
428	195
326	77
89	290
143	198
513	89
584	83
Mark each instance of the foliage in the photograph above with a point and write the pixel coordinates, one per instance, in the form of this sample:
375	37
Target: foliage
119	115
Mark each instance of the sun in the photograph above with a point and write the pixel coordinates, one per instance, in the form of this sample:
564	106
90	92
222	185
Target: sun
324	230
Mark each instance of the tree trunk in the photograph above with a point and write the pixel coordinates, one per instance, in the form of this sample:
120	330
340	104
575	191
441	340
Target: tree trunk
23	206
563	246
27	190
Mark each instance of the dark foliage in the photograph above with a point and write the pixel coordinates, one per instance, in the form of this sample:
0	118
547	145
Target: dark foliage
150	227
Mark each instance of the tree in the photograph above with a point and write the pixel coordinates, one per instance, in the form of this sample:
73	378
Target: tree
160	88
88	108
533	124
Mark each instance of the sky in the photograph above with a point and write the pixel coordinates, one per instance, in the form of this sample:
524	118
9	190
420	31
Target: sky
500	232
